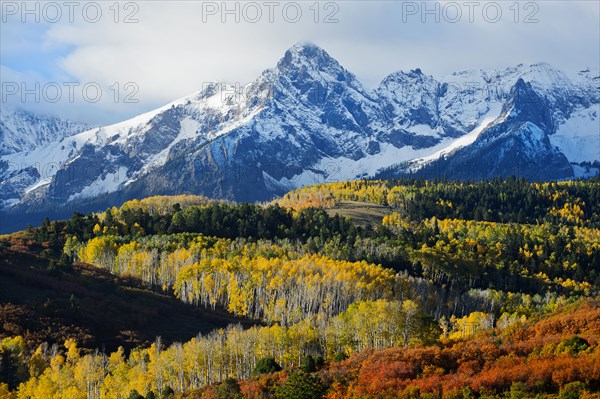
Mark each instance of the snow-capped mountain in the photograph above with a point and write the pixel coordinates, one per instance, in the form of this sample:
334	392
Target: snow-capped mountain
21	130
310	120
543	126
515	143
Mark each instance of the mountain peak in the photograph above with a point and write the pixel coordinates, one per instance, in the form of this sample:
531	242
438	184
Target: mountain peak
305	45
523	93
527	105
309	68
521	87
304	54
544	66
293	124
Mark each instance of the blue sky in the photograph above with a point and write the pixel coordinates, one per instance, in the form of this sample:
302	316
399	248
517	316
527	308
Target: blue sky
175	47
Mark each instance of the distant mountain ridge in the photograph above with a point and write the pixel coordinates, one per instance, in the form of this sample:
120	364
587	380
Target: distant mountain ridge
21	130
310	120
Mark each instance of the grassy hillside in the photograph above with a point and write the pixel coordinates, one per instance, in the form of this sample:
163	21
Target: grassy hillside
361	213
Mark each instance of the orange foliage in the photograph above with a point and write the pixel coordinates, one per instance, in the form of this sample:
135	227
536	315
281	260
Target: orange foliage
488	363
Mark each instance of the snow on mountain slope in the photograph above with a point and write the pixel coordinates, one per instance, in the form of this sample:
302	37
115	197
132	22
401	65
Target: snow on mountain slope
454	105
22	130
344	168
579	136
411	99
105	184
466	140
469	91
309	120
515	143
106	158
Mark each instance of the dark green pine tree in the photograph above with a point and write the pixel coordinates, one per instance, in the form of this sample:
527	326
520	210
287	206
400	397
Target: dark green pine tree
301	385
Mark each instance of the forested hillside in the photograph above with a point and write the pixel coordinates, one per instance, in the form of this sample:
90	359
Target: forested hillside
462	290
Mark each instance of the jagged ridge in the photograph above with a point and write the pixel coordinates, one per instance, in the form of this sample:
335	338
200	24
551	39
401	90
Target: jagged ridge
309	120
